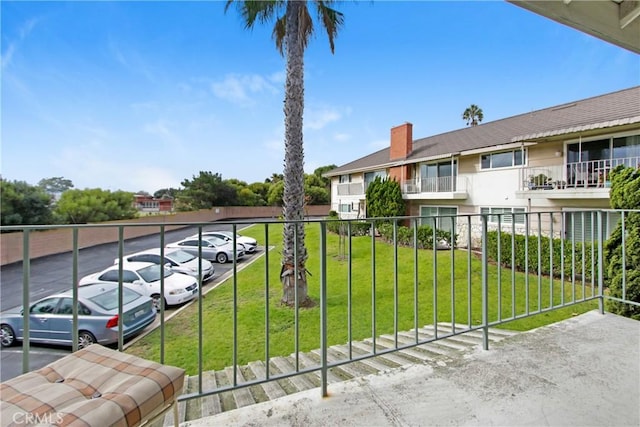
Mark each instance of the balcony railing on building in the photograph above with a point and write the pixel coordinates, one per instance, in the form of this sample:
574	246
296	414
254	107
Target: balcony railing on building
442	184
576	175
351	189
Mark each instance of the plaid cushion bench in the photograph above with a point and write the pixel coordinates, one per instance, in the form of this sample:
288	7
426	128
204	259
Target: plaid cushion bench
95	386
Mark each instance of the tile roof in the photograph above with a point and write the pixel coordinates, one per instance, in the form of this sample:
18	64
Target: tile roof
612	109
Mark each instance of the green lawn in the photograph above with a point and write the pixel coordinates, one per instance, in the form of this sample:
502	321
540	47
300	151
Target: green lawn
181	332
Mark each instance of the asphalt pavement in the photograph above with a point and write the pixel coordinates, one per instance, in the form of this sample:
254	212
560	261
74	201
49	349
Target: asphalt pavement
53	273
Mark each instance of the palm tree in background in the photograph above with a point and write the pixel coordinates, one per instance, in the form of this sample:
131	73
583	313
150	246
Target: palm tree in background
292	31
473	115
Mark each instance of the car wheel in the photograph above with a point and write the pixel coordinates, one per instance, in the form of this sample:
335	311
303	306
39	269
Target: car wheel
85	339
221	257
157	301
7	336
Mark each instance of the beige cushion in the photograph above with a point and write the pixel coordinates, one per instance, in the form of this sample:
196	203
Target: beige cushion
95	386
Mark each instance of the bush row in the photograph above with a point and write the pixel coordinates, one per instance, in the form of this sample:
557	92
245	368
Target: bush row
526	253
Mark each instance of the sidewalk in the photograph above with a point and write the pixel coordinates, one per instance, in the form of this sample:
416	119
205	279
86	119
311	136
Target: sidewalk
584	371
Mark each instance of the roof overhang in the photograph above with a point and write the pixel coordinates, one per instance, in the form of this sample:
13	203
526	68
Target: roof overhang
615	21
576	129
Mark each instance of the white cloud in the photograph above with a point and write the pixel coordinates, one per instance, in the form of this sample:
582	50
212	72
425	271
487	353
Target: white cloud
23	33
342	137
239	89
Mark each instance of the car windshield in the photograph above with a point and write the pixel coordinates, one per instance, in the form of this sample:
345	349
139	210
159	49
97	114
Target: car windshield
152	273
109	300
181	257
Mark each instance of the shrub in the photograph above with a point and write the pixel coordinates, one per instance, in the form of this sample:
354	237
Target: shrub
625	194
424	237
526	254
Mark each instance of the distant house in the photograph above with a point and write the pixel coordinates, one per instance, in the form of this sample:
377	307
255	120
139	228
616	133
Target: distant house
558	158
148	203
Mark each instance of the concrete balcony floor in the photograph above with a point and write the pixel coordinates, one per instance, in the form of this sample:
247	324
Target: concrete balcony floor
580	372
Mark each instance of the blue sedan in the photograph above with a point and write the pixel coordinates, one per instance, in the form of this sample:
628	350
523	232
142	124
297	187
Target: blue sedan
50	319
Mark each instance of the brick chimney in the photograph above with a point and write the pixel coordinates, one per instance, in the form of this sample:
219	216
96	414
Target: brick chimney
401	141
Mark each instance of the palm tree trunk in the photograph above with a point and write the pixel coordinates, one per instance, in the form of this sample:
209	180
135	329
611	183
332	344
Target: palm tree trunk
294	253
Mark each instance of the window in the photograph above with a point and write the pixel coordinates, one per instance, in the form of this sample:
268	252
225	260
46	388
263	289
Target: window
344	179
504	159
443	222
344	207
626	147
505	215
580	225
46	306
438	177
369	177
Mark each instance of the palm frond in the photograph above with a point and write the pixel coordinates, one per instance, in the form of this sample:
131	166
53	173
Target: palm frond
331	19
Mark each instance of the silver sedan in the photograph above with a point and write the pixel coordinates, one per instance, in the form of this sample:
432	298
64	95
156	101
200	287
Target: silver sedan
50	318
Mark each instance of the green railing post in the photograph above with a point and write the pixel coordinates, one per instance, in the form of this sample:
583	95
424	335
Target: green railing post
485	287
323	305
600	264
26	270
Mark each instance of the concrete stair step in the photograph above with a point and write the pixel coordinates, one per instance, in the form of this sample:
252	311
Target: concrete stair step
378	364
285	365
307	360
346	371
432	352
242	396
415	353
395	357
446	343
272	389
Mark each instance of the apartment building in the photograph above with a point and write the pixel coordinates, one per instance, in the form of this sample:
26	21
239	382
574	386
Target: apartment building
555	159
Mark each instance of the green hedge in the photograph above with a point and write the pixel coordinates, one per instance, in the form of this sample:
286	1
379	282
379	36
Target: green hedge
358	228
424	237
545	268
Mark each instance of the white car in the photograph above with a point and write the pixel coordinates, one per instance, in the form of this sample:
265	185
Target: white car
175	259
144	278
250	244
213	248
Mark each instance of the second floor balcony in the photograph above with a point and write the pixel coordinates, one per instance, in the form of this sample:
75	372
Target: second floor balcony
444	187
351	189
588	179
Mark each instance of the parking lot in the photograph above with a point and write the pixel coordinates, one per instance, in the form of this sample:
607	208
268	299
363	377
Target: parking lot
53	274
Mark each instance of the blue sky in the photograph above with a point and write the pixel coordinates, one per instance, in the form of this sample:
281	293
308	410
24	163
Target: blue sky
141	95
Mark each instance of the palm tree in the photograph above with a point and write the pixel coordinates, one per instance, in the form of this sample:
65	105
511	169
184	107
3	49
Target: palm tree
292	31
473	115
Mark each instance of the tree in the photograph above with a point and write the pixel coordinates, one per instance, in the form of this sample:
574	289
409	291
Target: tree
24	204
384	199
624	194
95	205
206	191
473	115
292	31
322	169
164	193
316	190
55	185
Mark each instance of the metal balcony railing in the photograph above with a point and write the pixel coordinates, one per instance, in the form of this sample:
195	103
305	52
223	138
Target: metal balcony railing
588	174
443	184
508	281
351	189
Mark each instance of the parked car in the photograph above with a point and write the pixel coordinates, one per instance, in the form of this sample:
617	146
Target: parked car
250	244
50	318
177	260
144	277
213	248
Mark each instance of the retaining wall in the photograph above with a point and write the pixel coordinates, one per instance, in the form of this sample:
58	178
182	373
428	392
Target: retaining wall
60	240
